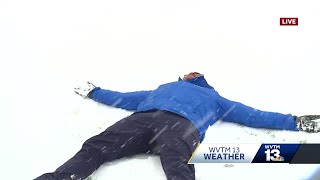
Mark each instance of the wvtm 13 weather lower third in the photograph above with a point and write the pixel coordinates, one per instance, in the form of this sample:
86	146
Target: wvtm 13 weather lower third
256	153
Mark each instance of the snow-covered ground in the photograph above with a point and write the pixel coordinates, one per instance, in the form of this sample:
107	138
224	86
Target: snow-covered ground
48	47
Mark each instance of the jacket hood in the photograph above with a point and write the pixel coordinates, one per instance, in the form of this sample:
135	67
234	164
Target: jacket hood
199	81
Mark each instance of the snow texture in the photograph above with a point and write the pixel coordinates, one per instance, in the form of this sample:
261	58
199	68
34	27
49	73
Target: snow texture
49	47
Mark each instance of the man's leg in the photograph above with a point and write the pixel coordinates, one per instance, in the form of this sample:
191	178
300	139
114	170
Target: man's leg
242	114
175	140
127	137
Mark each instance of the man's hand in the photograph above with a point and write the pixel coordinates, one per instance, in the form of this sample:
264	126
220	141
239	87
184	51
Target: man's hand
84	90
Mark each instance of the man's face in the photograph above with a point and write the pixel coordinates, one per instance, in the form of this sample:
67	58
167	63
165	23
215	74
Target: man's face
191	76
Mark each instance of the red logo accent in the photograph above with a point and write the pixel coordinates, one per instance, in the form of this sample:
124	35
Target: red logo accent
289	21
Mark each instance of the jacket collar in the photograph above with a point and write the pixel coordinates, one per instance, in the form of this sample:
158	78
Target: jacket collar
199	81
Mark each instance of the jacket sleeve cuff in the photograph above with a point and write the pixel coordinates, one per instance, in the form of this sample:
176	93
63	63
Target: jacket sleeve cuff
91	92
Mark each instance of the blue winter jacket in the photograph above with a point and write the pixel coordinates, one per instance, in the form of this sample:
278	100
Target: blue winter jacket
198	102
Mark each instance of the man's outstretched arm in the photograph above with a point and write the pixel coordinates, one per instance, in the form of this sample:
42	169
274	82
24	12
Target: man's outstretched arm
248	116
128	101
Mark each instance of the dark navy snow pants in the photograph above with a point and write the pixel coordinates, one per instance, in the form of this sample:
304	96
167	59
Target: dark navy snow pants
163	133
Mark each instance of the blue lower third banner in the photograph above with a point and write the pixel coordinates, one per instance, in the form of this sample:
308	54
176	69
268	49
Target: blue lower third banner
257	153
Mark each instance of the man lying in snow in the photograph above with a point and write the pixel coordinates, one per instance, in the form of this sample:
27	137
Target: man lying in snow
169	121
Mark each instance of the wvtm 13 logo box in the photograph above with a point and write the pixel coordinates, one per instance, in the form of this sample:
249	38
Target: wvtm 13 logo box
289	21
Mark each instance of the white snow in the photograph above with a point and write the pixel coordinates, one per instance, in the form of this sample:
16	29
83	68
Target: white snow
48	47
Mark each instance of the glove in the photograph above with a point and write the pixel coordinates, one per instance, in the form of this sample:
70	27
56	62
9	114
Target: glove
85	90
308	123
